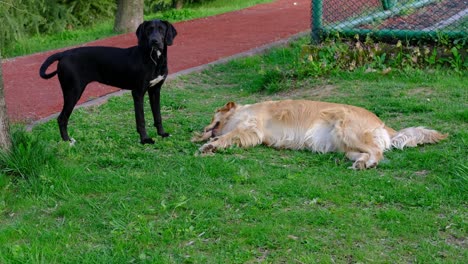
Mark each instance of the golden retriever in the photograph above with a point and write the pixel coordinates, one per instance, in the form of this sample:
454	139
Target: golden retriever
316	126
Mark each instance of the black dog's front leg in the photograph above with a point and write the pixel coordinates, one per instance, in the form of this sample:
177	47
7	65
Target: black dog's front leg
140	118
155	101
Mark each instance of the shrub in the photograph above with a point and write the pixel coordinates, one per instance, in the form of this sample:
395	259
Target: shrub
27	158
25	18
377	56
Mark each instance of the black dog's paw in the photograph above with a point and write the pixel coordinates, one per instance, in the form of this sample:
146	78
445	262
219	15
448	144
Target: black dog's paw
147	141
164	134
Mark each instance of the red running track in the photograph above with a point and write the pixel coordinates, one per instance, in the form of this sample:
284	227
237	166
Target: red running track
200	41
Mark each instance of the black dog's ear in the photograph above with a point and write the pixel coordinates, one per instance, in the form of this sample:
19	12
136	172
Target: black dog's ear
171	33
140	32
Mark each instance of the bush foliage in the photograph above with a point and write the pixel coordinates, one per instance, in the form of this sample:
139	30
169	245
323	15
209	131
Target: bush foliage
26	18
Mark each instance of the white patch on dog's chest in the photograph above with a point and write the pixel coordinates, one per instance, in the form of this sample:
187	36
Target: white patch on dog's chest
158	53
156	80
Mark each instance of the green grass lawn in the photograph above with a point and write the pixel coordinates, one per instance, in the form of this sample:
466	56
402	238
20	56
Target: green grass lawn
109	199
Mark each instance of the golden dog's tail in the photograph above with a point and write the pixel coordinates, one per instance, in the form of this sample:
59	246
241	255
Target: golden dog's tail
413	136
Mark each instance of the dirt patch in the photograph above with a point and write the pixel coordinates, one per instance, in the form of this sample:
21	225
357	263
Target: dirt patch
314	93
458	241
424	91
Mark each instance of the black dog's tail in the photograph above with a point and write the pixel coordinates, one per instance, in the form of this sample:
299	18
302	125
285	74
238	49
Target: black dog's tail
47	63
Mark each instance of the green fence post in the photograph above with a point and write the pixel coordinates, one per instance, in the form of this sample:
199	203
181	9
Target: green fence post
387	4
317	27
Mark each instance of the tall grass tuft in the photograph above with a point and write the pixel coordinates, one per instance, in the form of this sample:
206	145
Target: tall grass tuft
28	157
341	54
301	60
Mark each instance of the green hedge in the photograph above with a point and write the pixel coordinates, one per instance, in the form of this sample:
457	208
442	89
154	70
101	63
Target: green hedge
25	18
153	6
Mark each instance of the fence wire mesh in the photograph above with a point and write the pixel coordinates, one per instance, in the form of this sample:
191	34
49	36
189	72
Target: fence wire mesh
391	19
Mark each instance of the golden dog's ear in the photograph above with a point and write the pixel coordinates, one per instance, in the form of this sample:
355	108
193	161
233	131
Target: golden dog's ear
230	105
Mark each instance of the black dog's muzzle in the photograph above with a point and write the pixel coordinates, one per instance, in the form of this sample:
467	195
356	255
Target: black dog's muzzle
156	44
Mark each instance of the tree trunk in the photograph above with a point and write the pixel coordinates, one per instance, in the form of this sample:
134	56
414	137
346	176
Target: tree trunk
129	15
5	138
178	4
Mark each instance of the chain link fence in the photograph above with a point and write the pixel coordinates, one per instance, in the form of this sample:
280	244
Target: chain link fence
391	19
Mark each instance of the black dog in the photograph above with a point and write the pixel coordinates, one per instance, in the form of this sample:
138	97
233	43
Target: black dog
140	68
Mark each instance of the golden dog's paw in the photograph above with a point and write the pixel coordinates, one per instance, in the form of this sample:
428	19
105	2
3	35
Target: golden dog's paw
207	149
197	137
362	165
359	165
371	164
